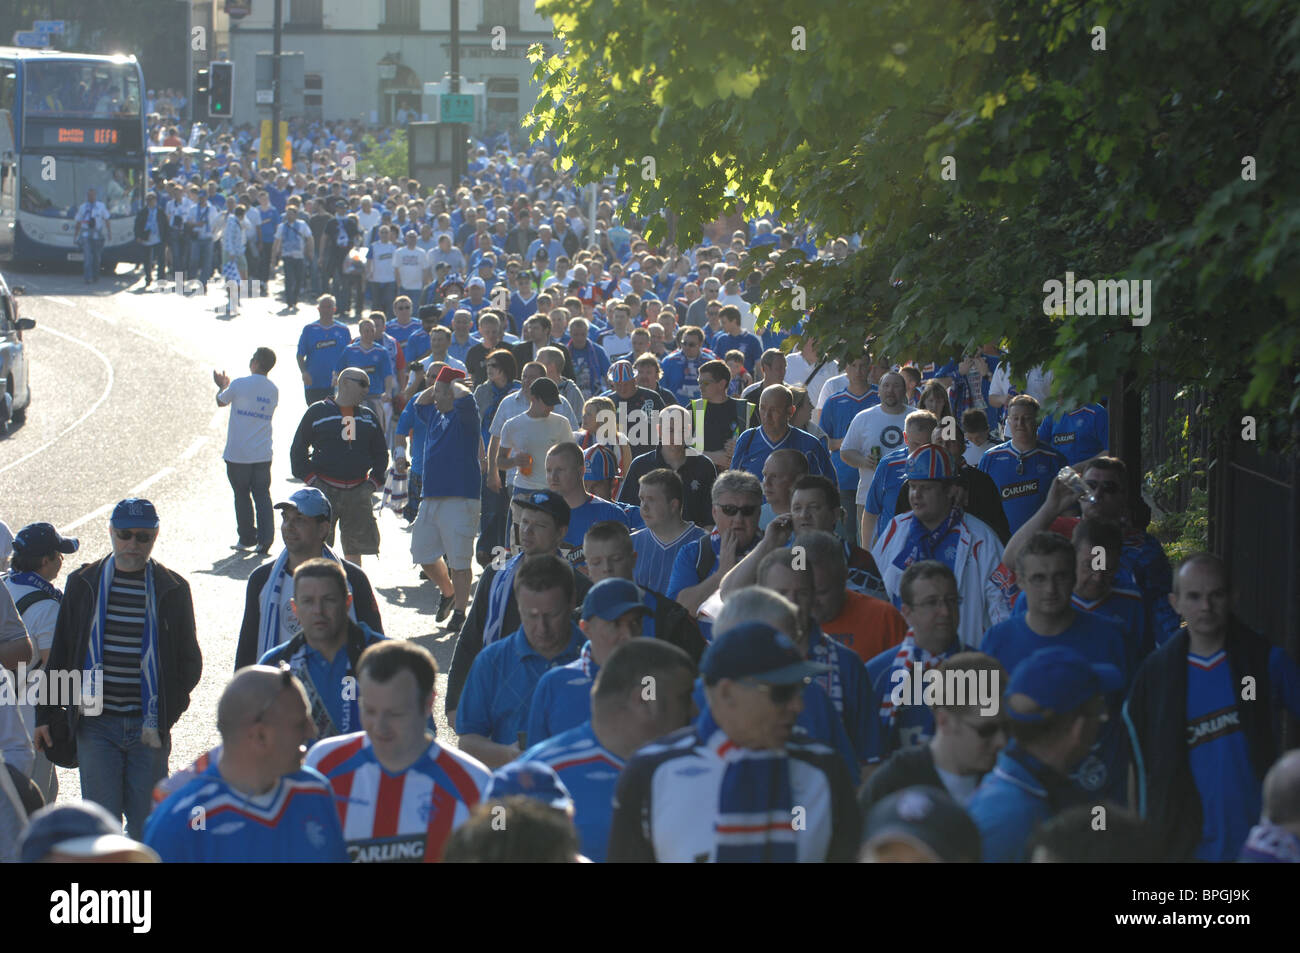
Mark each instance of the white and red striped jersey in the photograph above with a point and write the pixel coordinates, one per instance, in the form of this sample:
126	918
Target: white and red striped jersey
398	818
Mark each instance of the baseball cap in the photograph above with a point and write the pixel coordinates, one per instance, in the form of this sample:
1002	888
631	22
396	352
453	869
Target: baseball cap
532	779
928	817
476	282
757	651
308	501
929	462
545	390
429	311
620	372
355	375
601	463
611	598
487	260
38	540
82	829
545	501
134	513
448	373
1058	679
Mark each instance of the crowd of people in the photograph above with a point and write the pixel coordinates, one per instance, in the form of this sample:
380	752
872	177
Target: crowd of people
717	595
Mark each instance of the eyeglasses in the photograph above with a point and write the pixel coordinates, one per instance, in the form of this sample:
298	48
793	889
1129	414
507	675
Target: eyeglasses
1102	486
731	509
286	681
140	537
929	605
985	728
401	307
779	694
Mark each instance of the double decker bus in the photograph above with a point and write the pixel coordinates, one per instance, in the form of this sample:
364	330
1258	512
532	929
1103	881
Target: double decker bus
69	122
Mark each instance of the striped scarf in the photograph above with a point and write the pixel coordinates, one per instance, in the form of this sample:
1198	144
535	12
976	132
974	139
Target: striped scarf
268	631
922	543
94	662
499	599
755	818
586	663
821	650
908	652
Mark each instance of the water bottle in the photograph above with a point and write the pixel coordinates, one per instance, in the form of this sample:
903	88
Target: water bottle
1071	478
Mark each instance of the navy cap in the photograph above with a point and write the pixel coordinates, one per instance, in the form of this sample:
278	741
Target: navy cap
926	816
533	779
757	651
611	598
134	513
1058	679
308	501
546	501
38	540
430	311
81	829
544	389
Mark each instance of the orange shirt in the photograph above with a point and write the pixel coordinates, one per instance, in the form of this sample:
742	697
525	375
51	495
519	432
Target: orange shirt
867	625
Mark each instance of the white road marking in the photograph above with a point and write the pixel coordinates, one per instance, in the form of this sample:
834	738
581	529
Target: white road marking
102	316
194	448
62	301
102	511
140	334
139	488
218	419
46	329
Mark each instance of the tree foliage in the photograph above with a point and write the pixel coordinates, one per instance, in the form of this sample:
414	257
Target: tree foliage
1122	162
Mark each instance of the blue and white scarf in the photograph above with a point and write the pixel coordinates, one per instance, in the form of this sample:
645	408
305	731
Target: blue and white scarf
755	817
908	653
268	631
36	581
930	544
822	651
586	663
498	599
94	663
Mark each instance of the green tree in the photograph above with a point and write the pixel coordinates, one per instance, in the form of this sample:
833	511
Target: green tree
388	159
979	149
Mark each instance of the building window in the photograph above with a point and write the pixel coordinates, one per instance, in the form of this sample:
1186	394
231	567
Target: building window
402	14
500	13
306	13
313	94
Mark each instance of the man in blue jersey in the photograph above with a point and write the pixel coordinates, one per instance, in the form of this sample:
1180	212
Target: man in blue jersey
319	347
1079	434
754	446
565	469
734	337
492	714
1203	717
1056	705
613	612
624	717
1045	570
256	802
374	359
682	367
665	533
590	362
1023	468
700	565
836	414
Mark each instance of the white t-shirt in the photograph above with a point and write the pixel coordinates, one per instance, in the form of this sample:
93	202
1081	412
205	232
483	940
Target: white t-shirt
833	385
39	619
1038	383
797	370
410	264
293	238
973	453
535	436
381	254
252	402
873	428
6	545
616	346
368	220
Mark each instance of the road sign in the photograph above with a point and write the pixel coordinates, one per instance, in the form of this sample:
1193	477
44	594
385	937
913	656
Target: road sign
30	38
50	26
265	97
457	107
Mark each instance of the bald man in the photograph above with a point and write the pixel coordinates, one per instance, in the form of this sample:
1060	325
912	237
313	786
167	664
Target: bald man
269	807
1276	838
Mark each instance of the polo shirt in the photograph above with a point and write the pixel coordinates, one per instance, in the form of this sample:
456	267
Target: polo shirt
753	448
590	771
866	625
655	559
563	698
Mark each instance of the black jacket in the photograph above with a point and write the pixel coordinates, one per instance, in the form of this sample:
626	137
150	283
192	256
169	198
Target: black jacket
363	600
180	663
318	448
164	227
330	250
1156	717
904	768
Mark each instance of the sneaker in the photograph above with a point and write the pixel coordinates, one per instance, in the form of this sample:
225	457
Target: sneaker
264	550
445	606
243	546
457	621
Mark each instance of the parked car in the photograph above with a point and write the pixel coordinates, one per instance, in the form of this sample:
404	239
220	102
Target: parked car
17	394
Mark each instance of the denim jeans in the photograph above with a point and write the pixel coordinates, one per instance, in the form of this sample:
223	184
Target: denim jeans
381	297
252	485
118	771
201	259
151	256
295	270
94	253
492	519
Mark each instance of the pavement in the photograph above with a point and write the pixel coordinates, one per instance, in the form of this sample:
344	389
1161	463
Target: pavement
123	404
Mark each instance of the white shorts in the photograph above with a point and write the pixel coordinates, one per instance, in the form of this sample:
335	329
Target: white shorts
445	526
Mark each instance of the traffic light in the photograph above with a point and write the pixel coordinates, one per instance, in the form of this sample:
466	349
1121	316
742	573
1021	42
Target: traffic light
221	90
199	108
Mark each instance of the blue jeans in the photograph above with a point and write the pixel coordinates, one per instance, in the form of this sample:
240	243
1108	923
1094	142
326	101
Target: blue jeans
252	485
151	256
381	297
295	270
492	519
94	253
118	771
201	259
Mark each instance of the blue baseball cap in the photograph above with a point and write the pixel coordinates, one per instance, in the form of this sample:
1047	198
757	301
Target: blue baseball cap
929	462
532	779
611	598
757	651
620	372
1058	679
600	463
83	829
134	513
38	540
308	501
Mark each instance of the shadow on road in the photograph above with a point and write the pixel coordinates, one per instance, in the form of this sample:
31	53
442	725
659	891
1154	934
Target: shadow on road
417	597
238	565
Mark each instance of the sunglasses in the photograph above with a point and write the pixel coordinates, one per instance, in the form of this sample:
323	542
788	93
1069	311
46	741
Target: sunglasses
731	509
140	537
1102	486
779	694
985	728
